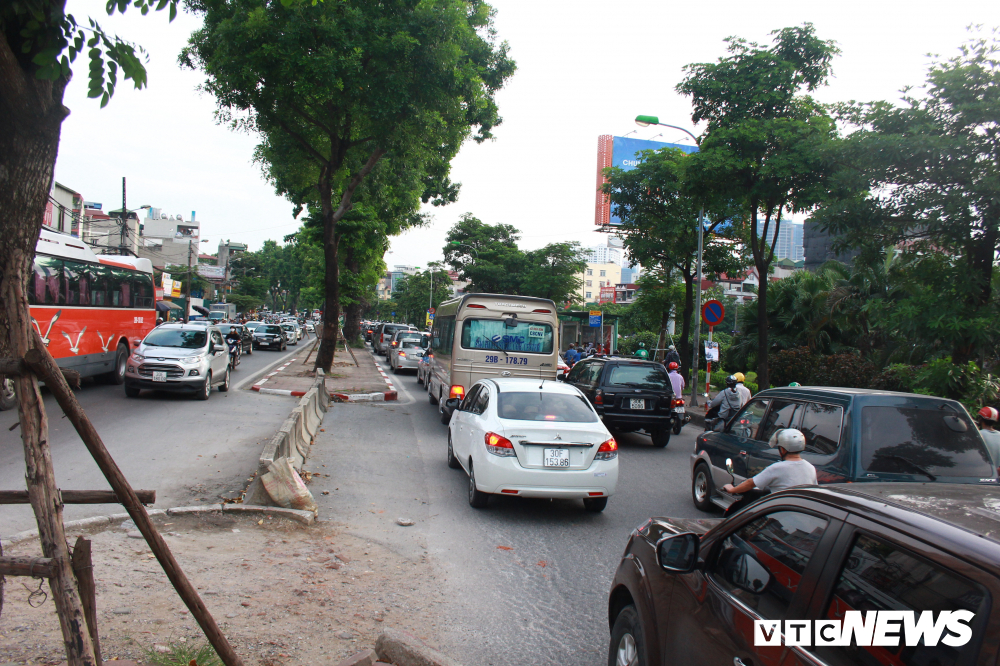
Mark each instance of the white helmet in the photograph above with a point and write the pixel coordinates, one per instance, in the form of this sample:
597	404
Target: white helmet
789	439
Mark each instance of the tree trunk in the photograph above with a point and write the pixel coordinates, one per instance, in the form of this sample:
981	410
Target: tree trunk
352	312
31	115
763	377
661	342
331	280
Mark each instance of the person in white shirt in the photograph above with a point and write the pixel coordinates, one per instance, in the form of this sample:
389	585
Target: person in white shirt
741	389
988	417
791	471
676	381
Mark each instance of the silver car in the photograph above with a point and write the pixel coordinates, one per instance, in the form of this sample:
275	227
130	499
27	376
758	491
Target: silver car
406	350
291	333
189	358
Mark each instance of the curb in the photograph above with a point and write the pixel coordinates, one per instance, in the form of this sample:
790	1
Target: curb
405	649
388	380
271	391
304	517
365	397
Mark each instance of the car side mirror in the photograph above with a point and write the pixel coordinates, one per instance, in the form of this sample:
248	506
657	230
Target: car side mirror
560	378
452	403
678	553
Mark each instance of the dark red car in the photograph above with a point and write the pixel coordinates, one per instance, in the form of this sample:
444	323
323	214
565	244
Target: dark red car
689	592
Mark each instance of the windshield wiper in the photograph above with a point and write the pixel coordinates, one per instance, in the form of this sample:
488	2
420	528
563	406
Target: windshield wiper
498	347
909	462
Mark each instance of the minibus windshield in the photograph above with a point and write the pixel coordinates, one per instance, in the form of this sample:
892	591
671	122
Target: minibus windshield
493	334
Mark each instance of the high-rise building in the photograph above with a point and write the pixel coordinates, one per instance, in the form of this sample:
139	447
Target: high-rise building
602	254
789	245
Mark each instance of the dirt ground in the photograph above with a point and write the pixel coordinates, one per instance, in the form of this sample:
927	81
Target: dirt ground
283	593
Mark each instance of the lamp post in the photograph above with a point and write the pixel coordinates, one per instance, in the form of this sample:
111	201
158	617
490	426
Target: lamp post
187	312
457	244
646	121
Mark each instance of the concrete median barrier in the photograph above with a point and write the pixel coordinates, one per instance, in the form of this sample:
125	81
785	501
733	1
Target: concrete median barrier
292	441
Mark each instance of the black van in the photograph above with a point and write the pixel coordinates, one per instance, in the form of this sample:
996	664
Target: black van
852	435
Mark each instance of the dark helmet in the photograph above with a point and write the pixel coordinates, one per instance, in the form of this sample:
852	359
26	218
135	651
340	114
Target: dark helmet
731	381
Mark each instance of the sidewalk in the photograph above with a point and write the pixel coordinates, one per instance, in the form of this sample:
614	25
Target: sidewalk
346	381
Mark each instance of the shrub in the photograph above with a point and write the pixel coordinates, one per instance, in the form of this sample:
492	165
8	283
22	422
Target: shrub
898	377
801	365
792	365
752	386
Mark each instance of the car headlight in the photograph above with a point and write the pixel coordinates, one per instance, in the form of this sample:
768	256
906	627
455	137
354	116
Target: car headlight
137	357
192	360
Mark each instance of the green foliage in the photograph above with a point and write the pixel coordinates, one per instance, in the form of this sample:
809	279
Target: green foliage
413	295
628	346
244	303
182	654
804	366
941	377
488	257
47	40
924	174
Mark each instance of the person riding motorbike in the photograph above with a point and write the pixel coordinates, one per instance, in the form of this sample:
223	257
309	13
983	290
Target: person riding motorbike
744	391
789	472
235	345
988	417
725	405
672	355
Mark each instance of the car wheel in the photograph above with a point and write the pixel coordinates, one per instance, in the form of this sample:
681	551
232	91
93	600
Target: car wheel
477	499
250	351
8	398
224	386
117	376
206	388
701	488
131	392
595	504
678	424
452	460
660	437
430	395
627	645
395	370
420	380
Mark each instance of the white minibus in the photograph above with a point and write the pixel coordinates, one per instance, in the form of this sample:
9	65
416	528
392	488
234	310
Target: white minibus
477	336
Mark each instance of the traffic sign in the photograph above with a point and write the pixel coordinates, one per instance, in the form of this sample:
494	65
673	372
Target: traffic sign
596	318
712	312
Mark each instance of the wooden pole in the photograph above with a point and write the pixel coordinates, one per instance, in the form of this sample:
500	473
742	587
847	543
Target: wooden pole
36	567
78	496
45	366
83	567
15	367
40	476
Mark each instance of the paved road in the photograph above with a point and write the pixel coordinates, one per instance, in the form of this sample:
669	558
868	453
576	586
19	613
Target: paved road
156	439
541	598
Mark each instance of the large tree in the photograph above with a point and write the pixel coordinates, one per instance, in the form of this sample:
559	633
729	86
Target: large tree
342	85
413	294
660	230
928	173
553	271
765	140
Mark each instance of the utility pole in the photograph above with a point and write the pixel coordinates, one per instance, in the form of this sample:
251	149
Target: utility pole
187	309
124	222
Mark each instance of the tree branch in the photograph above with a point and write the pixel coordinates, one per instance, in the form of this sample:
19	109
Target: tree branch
345	199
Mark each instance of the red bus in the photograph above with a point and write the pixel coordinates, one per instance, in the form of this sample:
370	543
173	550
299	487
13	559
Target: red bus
91	310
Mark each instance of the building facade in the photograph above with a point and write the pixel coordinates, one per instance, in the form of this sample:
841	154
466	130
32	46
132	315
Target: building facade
790	240
169	240
596	276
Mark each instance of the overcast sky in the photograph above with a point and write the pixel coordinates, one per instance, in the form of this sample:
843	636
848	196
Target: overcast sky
584	69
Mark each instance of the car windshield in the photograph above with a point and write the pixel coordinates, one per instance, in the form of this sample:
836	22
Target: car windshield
544	406
922	442
174	337
272	329
494	334
253	324
639	376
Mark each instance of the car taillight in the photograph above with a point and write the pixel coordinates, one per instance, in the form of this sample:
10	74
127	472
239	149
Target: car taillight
543	311
677	402
608	450
599	397
477	306
499	445
402	353
394	343
457	392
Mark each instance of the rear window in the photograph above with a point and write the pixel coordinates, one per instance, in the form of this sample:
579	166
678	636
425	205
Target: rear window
906	440
639	376
493	334
541	406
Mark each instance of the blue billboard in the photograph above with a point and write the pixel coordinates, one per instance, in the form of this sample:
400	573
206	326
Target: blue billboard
623	155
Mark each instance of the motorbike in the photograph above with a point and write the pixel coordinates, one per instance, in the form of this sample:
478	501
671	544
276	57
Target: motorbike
739	501
681	417
235	349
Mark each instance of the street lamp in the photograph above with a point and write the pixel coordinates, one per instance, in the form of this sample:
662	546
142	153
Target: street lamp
457	244
646	121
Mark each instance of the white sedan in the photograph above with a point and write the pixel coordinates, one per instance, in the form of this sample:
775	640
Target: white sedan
532	438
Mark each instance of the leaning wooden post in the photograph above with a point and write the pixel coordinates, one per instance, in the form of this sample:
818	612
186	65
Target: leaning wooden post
45	366
83	567
40	477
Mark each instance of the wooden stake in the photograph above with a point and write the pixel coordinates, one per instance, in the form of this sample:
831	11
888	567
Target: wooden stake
78	496
36	567
45	366
83	567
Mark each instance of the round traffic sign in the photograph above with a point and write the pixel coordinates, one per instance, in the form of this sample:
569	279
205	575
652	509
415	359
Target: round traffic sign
712	312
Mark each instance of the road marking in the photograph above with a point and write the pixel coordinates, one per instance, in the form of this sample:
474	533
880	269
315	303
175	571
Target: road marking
252	378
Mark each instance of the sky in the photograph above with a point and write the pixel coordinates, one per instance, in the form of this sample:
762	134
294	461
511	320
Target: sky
584	69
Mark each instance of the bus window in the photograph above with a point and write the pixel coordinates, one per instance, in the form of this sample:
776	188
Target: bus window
445	336
493	334
120	289
47	275
76	279
142	290
101	276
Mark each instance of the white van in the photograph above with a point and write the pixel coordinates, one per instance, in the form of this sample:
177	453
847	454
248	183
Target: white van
479	336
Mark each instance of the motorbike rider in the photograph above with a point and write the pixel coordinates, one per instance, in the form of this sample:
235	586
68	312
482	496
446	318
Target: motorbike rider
789	472
726	403
234	341
641	352
676	380
672	356
988	417
744	391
